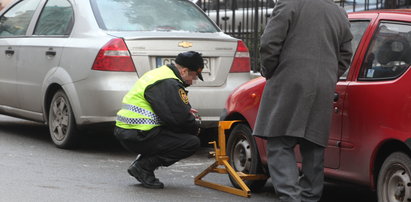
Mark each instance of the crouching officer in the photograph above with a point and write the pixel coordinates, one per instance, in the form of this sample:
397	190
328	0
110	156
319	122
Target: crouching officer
156	120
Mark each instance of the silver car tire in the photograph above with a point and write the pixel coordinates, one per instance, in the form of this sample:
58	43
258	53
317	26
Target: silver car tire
394	178
62	125
243	155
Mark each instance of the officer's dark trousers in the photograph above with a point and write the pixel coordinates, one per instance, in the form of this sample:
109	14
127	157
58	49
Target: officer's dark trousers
289	185
164	148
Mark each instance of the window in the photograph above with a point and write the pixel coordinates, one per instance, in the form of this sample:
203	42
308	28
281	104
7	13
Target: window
16	20
357	29
151	15
55	19
389	54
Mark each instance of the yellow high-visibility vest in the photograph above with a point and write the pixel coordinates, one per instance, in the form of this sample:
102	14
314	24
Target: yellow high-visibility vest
136	112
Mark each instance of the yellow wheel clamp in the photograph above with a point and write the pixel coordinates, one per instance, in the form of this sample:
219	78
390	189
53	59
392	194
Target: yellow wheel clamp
221	159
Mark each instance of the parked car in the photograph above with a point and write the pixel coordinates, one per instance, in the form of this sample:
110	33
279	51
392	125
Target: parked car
238	16
370	137
68	63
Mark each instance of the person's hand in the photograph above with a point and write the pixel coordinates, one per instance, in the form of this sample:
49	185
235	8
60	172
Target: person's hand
193	111
196	116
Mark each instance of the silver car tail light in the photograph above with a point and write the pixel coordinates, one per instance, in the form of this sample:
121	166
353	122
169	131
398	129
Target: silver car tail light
241	61
114	56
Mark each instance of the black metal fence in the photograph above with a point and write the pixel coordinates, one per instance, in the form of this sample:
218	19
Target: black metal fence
246	19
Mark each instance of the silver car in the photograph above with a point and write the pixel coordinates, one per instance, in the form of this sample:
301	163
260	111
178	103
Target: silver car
68	63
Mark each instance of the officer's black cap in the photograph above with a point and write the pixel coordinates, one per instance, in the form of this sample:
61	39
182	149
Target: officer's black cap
191	60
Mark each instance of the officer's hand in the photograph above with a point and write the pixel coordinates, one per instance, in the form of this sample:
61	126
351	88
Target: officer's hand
196	115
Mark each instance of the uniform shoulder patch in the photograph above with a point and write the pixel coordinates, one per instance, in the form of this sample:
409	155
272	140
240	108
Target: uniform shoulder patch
183	95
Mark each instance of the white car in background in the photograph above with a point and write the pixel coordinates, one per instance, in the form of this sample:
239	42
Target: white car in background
68	63
238	16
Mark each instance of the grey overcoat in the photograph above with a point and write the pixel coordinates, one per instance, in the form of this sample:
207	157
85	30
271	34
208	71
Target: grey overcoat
305	47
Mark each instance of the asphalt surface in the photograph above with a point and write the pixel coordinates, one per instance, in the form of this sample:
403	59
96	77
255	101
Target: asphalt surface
33	169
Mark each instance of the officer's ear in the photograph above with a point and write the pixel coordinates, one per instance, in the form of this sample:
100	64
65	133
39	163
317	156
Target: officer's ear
184	71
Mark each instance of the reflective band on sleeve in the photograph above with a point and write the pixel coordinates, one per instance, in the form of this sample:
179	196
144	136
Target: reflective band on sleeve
141	111
137	121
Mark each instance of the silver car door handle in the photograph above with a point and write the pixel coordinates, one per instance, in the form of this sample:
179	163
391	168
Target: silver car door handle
225	18
51	53
9	52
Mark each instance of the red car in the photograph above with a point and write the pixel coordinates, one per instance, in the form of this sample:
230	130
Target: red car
370	137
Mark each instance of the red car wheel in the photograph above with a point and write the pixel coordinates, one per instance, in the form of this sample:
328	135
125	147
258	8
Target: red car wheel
243	155
394	179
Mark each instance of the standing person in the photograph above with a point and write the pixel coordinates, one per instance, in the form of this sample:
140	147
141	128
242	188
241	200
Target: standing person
305	48
157	121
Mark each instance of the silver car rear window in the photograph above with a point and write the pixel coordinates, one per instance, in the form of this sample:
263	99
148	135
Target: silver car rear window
151	15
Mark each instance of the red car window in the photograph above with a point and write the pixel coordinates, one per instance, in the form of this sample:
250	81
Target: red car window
389	53
358	28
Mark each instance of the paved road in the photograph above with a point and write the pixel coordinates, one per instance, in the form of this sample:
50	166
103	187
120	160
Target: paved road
32	169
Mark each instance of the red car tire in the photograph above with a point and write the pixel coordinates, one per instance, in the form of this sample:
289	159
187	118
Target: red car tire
243	155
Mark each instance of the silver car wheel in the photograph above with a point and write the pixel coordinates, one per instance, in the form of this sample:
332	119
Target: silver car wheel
60	122
394	180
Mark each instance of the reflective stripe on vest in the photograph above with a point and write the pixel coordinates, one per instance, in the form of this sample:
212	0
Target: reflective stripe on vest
154	119
136	120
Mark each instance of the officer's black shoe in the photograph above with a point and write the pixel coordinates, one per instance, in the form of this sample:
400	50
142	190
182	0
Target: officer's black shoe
134	164
146	177
131	167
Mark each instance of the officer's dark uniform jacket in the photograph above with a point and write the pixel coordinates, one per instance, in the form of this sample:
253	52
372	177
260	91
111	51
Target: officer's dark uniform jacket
164	105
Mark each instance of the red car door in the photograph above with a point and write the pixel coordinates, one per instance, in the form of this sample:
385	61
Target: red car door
373	106
361	25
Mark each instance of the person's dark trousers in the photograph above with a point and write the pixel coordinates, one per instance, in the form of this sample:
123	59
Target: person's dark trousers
287	182
162	149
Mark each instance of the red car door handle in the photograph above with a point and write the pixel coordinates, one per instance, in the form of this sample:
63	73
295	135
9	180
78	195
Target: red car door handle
336	97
